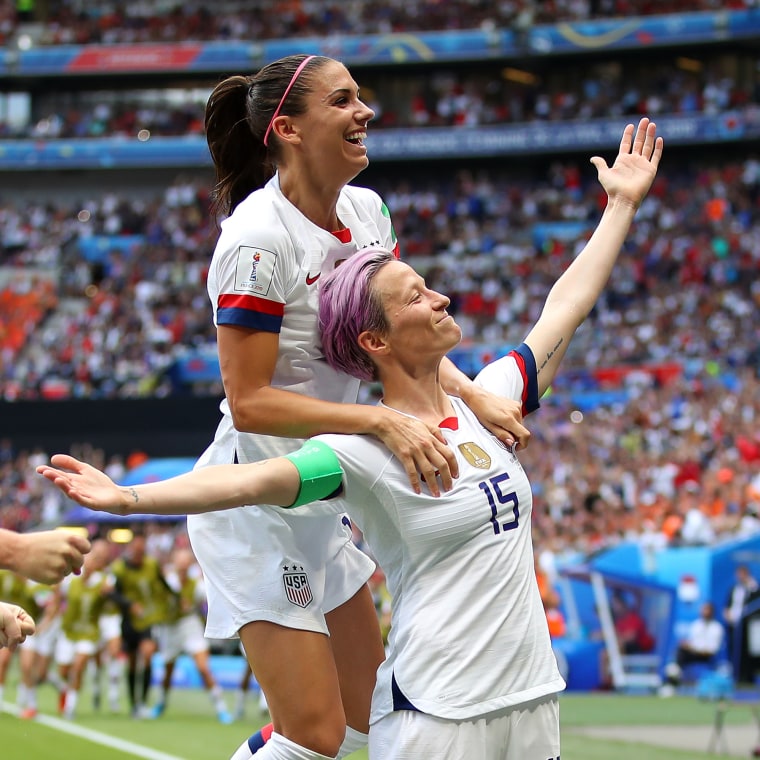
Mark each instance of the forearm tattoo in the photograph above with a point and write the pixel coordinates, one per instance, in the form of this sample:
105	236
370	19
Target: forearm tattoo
135	495
549	355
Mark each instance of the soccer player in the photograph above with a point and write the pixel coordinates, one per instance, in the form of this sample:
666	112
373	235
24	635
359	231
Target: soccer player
83	597
470	670
144	596
183	632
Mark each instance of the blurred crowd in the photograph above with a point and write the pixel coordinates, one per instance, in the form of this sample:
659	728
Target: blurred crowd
444	98
77	22
112	324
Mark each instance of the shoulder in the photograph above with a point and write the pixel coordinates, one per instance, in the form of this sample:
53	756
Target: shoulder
257	221
363	197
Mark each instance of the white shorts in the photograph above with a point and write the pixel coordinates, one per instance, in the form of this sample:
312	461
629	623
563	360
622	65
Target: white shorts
66	649
110	627
186	635
44	641
526	732
264	563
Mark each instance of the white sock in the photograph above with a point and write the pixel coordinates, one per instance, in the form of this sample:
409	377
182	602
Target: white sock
71	703
279	748
239	702
115	678
2	692
31	697
217	698
354	741
21	692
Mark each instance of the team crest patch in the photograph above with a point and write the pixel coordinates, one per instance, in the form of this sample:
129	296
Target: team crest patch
254	270
475	455
297	587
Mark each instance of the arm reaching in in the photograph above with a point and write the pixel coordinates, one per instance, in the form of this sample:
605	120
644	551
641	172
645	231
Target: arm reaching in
247	361
46	557
15	625
574	294
208	489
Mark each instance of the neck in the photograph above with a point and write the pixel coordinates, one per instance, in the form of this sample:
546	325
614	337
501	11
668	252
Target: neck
417	392
315	199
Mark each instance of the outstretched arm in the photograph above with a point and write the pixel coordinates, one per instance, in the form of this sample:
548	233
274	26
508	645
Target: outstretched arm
574	294
208	489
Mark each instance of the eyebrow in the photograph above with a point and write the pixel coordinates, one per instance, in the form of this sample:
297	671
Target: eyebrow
341	90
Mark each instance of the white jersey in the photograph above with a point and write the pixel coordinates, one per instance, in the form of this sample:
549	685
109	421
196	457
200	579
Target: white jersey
264	275
468	632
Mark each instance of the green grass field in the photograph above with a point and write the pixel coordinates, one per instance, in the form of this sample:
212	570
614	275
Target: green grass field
189	730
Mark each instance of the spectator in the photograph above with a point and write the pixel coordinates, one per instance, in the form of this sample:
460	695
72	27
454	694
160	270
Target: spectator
701	645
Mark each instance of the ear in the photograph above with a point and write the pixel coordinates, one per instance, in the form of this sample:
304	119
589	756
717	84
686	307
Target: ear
285	130
373	344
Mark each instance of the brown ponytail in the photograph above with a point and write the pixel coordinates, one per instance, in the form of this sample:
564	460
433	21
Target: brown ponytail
237	116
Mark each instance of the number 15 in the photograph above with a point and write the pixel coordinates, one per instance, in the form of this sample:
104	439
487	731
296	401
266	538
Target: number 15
493	486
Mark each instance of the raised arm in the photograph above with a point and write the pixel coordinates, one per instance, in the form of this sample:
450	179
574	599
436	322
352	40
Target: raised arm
574	294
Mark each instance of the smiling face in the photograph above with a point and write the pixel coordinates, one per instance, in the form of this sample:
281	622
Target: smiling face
419	327
332	130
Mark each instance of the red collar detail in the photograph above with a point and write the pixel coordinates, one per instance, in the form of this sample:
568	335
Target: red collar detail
343	235
452	423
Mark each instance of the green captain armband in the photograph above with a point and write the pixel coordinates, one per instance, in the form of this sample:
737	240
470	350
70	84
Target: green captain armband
320	471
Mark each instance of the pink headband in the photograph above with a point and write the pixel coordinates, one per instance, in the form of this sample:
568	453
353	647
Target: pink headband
301	67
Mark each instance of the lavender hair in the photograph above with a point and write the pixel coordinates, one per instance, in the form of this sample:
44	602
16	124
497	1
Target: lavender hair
349	305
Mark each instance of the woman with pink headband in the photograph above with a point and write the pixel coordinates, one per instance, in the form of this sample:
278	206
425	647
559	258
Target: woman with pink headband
285	143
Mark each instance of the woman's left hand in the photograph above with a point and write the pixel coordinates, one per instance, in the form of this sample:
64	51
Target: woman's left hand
630	177
501	416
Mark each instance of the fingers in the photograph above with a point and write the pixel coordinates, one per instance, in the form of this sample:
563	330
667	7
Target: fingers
10	630
65	462
627	139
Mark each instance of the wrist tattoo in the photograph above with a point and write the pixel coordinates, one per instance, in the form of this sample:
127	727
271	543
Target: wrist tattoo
135	495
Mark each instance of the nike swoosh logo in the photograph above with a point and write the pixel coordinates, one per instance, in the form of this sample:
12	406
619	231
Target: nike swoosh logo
311	280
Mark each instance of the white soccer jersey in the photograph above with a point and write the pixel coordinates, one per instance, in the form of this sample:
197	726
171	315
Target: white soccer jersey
264	275
469	633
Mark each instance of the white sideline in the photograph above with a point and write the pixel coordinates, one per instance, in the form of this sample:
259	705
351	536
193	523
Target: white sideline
97	737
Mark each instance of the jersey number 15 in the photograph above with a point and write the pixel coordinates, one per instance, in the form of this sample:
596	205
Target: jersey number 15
492	488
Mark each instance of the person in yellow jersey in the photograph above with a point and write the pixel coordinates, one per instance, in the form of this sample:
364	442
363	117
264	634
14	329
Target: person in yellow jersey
83	599
184	632
37	651
109	657
142	592
14	590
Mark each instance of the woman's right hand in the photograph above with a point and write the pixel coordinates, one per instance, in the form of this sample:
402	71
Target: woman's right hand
422	451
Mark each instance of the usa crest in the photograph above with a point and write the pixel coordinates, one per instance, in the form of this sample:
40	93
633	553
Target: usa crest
297	588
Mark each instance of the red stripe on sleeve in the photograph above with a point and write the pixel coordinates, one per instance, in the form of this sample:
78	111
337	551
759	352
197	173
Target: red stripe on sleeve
251	303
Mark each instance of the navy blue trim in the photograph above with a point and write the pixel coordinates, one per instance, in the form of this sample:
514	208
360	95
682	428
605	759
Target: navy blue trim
531	377
246	318
256	742
400	701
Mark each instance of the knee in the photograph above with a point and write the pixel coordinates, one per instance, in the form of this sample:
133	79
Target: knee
323	734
